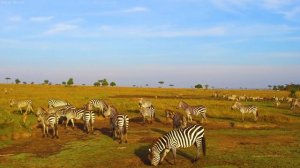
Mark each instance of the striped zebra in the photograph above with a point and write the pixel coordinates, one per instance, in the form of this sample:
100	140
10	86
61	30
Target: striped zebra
245	109
295	103
120	127
178	138
111	112
148	112
144	103
73	114
21	104
193	110
57	103
88	118
179	120
48	120
97	104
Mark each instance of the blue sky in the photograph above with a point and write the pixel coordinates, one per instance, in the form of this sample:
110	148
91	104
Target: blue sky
223	43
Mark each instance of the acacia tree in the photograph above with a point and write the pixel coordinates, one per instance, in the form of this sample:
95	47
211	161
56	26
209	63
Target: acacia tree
112	84
46	82
7	79
198	86
104	83
206	86
161	83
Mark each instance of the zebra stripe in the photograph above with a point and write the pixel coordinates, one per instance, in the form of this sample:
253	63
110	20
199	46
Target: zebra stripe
48	120
73	114
120	125
88	118
246	109
148	112
178	138
57	103
193	110
98	104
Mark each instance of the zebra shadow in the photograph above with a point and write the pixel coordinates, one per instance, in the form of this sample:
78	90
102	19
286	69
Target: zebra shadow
143	153
105	131
138	120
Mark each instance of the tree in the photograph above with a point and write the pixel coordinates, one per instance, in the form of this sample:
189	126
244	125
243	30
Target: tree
32	83
17	81
112	84
161	83
64	83
97	83
147	85
206	86
270	87
104	82
46	82
171	85
7	79
293	93
70	82
24	83
198	86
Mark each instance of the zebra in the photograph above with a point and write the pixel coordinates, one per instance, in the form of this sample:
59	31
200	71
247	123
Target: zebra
60	111
72	114
22	104
48	120
277	103
111	112
120	125
245	109
144	103
179	120
193	110
98	104
148	112
295	103
88	118
169	114
57	103
178	138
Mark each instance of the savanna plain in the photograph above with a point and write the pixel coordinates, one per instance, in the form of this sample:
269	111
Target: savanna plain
272	141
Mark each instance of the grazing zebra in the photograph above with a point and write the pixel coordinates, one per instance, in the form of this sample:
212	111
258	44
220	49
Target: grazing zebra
112	113
295	103
245	109
144	103
57	103
48	120
22	104
98	104
120	127
88	119
148	112
178	138
73	114
193	110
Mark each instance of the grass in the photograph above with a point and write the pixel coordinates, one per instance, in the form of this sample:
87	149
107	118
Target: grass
273	141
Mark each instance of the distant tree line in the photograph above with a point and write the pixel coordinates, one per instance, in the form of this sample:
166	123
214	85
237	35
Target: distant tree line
104	82
287	87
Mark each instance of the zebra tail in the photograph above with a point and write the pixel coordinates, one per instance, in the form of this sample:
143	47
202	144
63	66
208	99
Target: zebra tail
203	145
256	113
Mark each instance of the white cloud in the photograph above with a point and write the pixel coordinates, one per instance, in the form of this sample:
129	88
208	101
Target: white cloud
135	10
15	18
41	18
61	27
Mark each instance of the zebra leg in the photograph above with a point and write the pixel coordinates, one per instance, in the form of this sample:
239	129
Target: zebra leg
255	118
198	145
92	127
243	117
72	120
44	130
174	154
67	122
47	131
121	136
166	151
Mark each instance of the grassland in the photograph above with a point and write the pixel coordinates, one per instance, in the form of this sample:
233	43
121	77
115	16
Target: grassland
273	141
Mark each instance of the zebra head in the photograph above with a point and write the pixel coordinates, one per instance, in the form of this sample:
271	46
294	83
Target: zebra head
183	105
236	105
154	157
11	102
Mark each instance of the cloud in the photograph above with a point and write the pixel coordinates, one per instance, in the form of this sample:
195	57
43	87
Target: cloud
135	10
15	18
61	27
41	18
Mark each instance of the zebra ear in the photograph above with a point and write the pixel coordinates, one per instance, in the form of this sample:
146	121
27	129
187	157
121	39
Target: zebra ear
149	150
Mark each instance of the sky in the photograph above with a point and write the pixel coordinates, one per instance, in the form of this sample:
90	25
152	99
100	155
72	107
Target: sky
222	43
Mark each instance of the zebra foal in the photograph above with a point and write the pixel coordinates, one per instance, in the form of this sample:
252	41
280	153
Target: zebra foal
147	112
48	120
178	138
246	109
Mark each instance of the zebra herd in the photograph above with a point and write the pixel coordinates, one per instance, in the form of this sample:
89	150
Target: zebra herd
182	135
